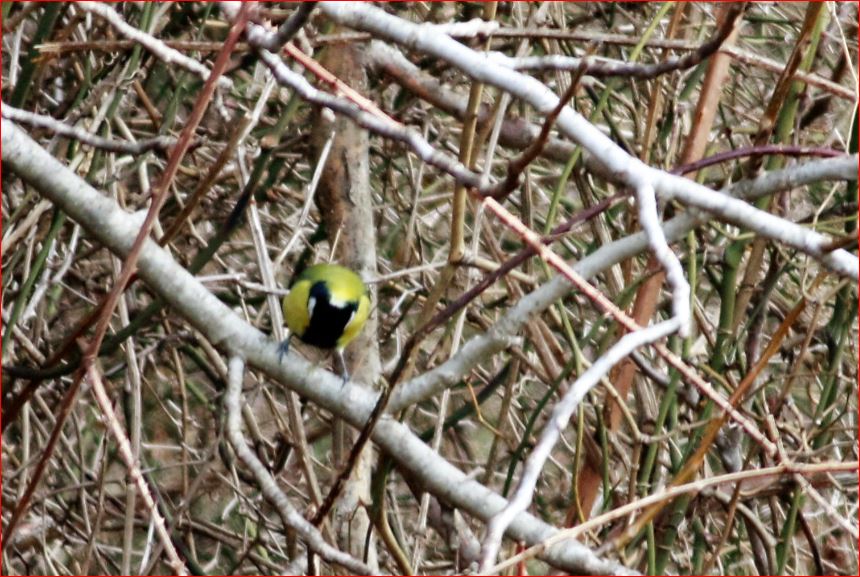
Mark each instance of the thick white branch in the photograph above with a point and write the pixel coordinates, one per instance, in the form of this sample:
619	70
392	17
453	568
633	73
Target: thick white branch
605	154
116	229
161	50
497	338
267	483
555	425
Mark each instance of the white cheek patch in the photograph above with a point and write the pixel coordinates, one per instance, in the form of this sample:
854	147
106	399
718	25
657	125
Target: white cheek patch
312	302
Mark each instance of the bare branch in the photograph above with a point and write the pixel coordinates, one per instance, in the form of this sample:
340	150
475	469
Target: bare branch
133	468
434	381
157	47
602	67
650	222
267	483
555	425
274	42
79	134
116	230
607	157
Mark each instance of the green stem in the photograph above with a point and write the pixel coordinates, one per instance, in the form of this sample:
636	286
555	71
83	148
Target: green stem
35	272
28	69
788	530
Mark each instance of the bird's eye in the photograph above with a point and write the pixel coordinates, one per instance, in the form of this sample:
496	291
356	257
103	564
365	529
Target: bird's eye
312	302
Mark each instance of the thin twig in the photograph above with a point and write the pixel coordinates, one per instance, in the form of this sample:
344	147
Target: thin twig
600	67
161	50
287	30
79	134
267	483
556	423
133	468
670	493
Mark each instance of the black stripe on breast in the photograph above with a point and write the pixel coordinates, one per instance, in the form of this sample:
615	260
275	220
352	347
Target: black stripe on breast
327	322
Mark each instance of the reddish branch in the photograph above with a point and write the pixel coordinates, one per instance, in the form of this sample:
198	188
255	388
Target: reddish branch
12	405
764	150
159	195
517	165
638	71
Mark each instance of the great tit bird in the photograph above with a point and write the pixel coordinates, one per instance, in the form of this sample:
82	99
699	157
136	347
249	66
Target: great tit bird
326	307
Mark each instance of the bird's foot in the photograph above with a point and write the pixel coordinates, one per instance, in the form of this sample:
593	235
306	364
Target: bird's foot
283	349
344	374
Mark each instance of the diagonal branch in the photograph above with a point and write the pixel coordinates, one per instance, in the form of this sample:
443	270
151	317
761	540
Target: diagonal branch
606	156
556	423
81	135
161	50
115	229
133	468
267	483
221	326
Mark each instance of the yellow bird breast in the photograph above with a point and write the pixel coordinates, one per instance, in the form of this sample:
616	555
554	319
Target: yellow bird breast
327	306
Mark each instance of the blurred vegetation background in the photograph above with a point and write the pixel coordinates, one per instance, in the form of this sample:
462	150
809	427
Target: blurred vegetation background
167	381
